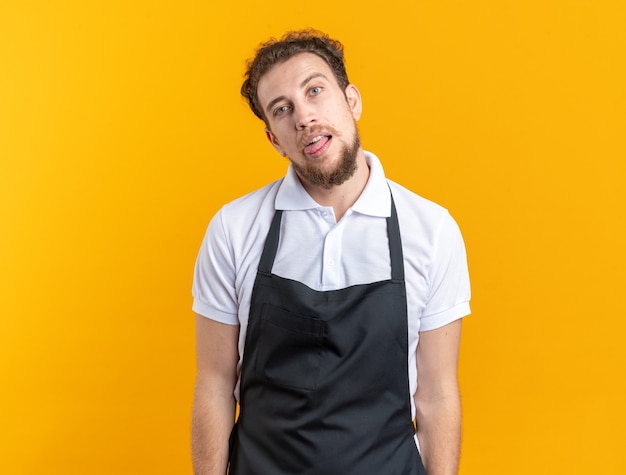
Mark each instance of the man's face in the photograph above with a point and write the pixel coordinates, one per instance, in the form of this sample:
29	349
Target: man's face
311	120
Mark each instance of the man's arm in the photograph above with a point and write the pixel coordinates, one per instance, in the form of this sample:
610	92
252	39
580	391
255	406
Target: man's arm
214	402
437	399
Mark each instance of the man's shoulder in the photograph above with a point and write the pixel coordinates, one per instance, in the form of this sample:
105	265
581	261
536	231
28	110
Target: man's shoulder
424	223
409	202
251	203
246	215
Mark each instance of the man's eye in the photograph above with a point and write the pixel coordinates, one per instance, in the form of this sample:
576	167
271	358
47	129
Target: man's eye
280	110
316	90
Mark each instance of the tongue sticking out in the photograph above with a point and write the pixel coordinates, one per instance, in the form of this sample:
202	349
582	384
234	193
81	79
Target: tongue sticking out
316	149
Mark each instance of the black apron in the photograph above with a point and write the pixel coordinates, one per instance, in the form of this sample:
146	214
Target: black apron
324	382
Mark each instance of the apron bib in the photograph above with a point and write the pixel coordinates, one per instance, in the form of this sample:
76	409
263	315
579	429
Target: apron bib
324	382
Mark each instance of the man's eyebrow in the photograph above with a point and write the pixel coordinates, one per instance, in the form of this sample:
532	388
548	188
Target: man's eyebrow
306	80
310	78
272	103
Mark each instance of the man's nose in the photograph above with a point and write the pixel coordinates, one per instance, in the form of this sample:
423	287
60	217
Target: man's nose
305	116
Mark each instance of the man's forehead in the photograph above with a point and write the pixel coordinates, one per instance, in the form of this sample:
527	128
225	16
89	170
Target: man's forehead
292	72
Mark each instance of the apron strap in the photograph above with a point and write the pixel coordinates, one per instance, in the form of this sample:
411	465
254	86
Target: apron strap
271	244
395	244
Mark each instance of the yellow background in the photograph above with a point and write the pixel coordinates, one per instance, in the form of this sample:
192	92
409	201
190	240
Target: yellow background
122	132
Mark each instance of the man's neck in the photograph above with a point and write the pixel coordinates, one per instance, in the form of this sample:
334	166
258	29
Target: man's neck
342	197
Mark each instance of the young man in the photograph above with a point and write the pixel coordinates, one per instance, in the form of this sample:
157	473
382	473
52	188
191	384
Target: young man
329	302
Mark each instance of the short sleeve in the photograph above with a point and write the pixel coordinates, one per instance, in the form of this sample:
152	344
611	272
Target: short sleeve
214	289
449	283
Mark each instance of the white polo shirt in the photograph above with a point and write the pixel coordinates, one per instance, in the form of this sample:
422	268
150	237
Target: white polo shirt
327	255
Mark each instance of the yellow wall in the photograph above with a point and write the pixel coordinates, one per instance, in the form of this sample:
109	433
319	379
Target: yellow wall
122	132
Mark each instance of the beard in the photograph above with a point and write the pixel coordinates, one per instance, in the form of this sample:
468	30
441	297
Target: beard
314	175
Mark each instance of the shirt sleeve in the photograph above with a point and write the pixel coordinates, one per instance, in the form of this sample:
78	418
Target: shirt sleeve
449	294
214	291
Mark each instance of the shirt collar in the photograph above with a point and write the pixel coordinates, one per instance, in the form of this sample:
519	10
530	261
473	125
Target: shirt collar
375	200
292	195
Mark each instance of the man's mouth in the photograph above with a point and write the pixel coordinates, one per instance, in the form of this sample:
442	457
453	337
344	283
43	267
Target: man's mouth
317	145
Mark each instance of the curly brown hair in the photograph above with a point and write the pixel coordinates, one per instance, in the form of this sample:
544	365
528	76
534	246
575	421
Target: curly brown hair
274	51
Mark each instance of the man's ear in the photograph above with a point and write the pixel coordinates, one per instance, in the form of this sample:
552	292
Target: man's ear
353	96
274	141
